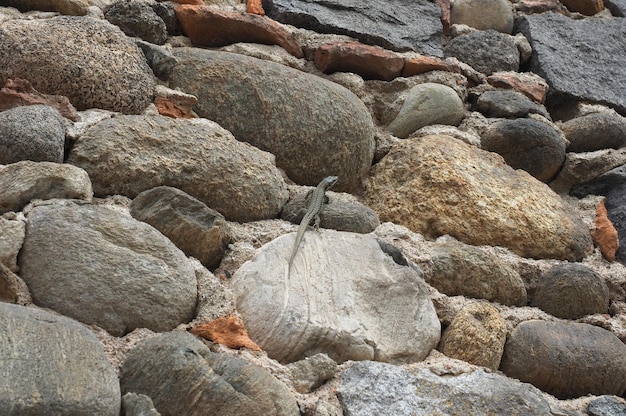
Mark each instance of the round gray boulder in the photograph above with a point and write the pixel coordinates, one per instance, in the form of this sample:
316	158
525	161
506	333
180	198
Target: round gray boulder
487	51
604	130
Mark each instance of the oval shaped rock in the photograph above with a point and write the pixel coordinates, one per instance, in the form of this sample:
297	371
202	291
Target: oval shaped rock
183	377
566	359
52	364
130	154
102	267
314	127
604	130
438	185
487	51
90	61
427	104
571	291
527	144
34	132
335	299
483	14
137	18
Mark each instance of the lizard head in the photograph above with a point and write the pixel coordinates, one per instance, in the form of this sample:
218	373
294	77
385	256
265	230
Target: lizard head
329	181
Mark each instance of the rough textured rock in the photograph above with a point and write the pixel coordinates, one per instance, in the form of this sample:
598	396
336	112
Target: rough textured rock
227	330
595	131
529	84
575	58
160	59
427	104
571	291
69	7
604	234
459	269
566	359
586	7
138	405
33	132
606	406
508	104
312	372
196	229
90	61
370	62
419	65
396	24
137	18
483	14
527	144
130	154
370	388
296	116
487	51
18	92
437	185
12	288
177	365
24	181
108	269
335	300
207	26
53	362
581	168
617	7
12	232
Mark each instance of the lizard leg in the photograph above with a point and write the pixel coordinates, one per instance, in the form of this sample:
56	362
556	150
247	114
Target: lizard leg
316	224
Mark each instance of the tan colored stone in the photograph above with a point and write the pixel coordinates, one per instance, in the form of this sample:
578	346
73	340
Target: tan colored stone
17	92
537	6
586	7
605	234
531	85
228	330
68	7
419	65
12	233
370	62
12	288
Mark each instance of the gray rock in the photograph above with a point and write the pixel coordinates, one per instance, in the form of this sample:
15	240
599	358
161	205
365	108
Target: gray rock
566	359
461	269
571	291
33	132
397	24
427	104
183	377
53	365
595	131
370	388
160	59
576	59
582	168
312	372
137	18
90	61
24	181
12	233
335	300
12	288
531	145
314	127
487	51
602	184
483	14
606	406
167	12
130	154
138	405
617	7
196	229
103	267
508	104
69	7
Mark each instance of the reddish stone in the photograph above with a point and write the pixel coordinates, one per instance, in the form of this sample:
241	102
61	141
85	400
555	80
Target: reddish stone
228	331
207	26
586	7
370	62
18	92
536	6
170	109
255	7
531	86
194	2
416	66
605	234
444	5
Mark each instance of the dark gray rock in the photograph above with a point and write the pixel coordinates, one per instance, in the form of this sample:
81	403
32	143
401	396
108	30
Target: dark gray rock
487	51
52	365
602	184
34	132
396	24
372	388
576	58
508	104
595	131
617	7
138	405
103	267
183	377
527	144
311	372
160	59
137	18
167	12
606	406
196	229
571	291
566	359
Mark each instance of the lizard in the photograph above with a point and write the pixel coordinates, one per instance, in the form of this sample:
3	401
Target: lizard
316	199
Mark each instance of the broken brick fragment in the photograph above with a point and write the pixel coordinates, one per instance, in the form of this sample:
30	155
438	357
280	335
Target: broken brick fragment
19	92
605	234
227	330
370	62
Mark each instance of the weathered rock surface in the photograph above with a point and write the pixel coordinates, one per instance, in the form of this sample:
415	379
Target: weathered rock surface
137	18
606	406
617	7
312	372
575	58
396	25
483	14
370	388
69	7
314	127
581	168
437	185
130	154
586	7
529	84
196	229
595	131
52	363
508	104
33	132
24	181
12	233
160	59
335	300
90	61
487	51
566	359
173	366
527	144
18	92
12	288
138	405
107	269
460	269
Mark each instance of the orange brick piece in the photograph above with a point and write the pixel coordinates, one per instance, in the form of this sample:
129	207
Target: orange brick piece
228	330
